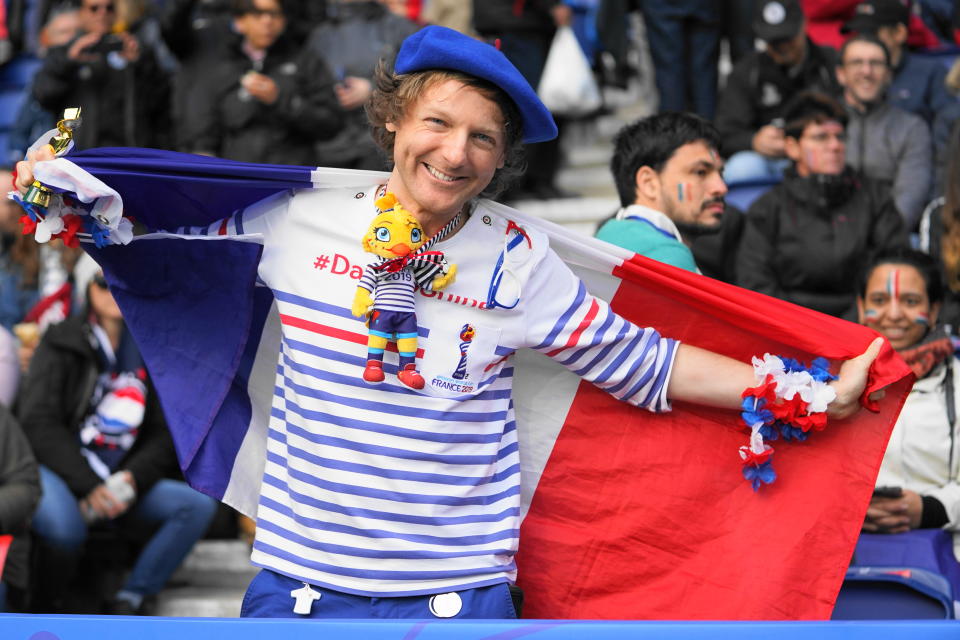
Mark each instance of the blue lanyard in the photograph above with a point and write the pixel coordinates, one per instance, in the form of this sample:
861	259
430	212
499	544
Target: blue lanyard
664	232
498	275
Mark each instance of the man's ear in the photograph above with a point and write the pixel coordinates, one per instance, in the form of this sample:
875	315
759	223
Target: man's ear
791	147
647	186
389	126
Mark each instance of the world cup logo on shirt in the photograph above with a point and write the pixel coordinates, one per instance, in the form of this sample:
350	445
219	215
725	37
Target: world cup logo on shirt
466	337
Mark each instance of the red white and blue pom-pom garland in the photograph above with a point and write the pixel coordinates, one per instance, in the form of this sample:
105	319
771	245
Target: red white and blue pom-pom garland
790	401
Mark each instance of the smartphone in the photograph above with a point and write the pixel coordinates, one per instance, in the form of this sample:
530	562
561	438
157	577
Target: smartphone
888	492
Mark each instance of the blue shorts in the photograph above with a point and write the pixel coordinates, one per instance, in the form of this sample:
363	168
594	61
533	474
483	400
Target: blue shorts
391	322
268	596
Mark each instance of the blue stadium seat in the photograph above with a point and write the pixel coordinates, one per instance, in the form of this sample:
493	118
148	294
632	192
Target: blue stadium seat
742	194
10	101
889	593
18	72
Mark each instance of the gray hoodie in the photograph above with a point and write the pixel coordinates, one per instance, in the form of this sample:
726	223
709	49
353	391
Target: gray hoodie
889	144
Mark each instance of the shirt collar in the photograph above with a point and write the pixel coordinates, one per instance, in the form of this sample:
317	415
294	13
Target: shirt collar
654	217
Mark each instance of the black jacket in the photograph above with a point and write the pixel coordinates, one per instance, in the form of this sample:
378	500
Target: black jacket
805	240
352	41
129	106
492	17
758	89
232	124
55	398
19	495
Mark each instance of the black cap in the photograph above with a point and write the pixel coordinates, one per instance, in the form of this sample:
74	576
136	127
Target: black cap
873	14
777	20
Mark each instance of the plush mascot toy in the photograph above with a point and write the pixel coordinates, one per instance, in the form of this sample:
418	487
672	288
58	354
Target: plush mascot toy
385	294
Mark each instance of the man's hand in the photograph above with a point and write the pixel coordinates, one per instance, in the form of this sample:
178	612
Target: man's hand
106	505
25	167
260	86
768	141
353	92
851	382
131	47
78	50
894	515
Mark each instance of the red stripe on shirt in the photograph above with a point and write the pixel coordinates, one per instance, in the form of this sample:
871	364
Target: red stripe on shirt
333	332
574	338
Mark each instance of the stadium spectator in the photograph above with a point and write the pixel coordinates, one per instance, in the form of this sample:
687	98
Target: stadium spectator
19	494
525	36
262	99
32	120
113	77
899	295
355	37
684	42
884	142
105	454
805	239
750	113
667	171
918	84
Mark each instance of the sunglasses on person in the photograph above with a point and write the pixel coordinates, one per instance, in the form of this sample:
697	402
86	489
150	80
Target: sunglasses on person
106	7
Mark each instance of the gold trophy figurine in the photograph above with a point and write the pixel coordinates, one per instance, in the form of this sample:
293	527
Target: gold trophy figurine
39	195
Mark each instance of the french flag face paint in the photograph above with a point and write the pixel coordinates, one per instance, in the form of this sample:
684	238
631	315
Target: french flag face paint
922	319
680	191
871	314
893	289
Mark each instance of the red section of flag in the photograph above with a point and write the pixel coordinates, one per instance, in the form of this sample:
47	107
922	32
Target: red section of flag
643	516
333	332
5	542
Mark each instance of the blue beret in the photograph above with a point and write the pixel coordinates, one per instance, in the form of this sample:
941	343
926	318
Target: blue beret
441	48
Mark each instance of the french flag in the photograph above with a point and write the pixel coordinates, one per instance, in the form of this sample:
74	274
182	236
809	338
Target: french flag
627	514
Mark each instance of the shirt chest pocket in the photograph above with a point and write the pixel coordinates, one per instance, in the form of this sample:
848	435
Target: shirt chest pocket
458	355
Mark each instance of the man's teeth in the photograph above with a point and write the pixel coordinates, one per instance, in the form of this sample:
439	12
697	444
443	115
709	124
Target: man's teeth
439	175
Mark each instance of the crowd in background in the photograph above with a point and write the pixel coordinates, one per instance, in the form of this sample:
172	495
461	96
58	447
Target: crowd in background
286	81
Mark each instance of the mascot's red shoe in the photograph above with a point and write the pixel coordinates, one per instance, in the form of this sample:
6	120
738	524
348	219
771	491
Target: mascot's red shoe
408	376
374	372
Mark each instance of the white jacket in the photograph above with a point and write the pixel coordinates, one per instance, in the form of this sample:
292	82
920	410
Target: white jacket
918	456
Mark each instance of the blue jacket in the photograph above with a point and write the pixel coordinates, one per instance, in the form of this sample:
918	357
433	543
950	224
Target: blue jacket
918	87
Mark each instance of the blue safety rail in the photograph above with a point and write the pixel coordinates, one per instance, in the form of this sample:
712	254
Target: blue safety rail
24	627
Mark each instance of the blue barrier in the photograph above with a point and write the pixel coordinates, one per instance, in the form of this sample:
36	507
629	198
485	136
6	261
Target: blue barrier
24	627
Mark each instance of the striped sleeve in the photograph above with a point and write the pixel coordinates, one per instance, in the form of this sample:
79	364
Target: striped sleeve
584	335
257	219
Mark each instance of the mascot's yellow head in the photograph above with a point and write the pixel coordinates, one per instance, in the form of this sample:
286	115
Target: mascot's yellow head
394	233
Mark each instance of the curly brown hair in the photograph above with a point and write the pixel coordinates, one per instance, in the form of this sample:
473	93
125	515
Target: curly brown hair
393	93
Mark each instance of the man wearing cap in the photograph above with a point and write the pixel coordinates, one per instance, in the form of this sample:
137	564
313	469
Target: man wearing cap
668	175
918	84
381	501
749	112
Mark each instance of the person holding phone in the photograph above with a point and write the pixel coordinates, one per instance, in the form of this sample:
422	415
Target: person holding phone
113	77
900	295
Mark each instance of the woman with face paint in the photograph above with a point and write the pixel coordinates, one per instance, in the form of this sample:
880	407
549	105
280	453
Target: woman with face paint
900	295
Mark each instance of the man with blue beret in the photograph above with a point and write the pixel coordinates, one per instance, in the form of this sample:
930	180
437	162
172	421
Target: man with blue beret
377	500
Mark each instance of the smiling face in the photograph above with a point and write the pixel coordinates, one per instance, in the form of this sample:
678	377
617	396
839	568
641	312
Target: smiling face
863	73
448	144
896	304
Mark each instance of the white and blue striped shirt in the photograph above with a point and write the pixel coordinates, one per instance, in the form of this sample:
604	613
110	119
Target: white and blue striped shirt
381	490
